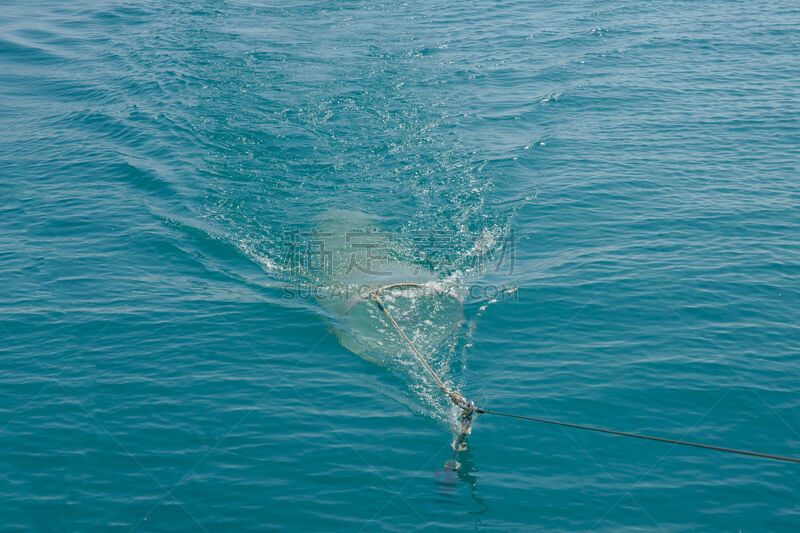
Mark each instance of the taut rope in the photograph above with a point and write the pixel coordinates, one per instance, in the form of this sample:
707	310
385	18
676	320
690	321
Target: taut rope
646	437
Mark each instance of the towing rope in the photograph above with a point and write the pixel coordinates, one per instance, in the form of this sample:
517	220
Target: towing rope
468	407
646	437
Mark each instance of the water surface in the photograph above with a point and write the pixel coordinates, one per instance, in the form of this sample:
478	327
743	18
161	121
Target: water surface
641	157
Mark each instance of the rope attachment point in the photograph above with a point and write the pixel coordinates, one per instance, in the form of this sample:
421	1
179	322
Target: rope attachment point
462	402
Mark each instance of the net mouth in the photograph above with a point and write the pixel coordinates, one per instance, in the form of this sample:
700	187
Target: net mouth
403	285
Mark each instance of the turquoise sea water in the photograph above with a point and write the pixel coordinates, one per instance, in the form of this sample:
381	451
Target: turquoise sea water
160	369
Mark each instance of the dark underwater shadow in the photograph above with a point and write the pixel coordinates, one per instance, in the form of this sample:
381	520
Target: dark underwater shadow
460	469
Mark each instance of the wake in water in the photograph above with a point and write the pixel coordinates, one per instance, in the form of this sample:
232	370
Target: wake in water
335	188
